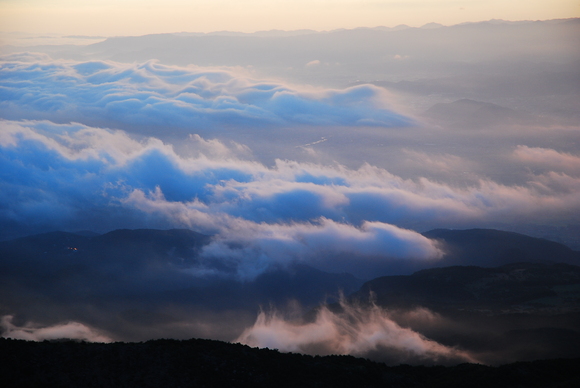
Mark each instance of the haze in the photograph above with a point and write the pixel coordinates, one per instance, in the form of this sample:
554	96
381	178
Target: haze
312	144
132	17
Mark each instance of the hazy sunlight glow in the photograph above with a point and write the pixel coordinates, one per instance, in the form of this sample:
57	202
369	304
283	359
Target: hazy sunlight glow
131	17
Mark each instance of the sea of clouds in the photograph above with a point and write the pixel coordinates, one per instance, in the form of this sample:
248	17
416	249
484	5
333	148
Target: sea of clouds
149	95
62	171
101	145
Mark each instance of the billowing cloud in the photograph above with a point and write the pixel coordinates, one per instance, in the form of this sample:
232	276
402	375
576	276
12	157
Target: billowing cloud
76	177
255	247
147	96
32	332
353	330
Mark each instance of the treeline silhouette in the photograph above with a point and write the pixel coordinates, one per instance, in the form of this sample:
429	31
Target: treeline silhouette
209	363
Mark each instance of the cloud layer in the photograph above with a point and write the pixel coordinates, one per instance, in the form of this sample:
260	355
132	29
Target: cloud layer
76	177
150	96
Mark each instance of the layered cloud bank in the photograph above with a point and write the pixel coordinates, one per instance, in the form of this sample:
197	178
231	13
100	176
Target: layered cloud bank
75	177
151	96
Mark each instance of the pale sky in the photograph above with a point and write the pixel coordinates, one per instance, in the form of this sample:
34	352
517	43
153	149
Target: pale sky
138	17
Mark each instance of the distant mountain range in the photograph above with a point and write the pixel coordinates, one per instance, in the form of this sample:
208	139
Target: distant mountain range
156	260
522	311
159	261
512	288
347	56
490	248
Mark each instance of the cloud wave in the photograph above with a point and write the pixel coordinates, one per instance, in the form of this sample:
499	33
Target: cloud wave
147	96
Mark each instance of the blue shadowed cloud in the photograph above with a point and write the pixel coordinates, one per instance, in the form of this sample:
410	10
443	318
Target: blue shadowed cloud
73	177
147	95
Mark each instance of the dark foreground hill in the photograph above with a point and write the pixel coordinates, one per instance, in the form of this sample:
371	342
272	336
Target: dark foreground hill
206	363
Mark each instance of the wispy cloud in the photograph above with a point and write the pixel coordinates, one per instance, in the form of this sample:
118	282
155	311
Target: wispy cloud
33	332
548	159
353	330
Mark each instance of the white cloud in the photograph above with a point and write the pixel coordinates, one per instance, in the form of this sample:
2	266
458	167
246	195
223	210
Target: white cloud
79	177
140	97
547	158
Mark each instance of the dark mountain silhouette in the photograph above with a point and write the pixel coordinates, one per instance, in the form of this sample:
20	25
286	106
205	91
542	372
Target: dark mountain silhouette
298	282
521	287
151	266
125	281
175	245
515	312
156	254
138	285
60	263
87	233
152	238
120	245
205	363
479	247
490	247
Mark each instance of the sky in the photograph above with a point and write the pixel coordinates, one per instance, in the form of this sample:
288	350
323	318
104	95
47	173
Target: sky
332	151
133	17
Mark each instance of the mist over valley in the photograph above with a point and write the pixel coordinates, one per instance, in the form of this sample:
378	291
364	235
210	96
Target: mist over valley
403	194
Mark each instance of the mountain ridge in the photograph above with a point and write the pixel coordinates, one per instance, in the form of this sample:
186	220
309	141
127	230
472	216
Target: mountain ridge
492	247
198	362
519	287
